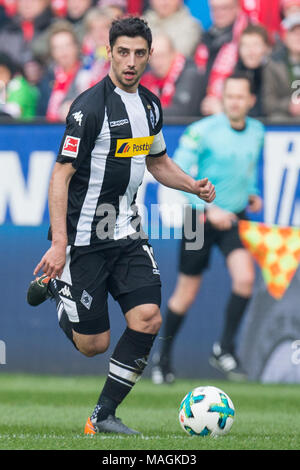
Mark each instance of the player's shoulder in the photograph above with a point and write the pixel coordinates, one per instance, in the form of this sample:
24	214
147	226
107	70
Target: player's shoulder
145	92
256	125
203	125
91	99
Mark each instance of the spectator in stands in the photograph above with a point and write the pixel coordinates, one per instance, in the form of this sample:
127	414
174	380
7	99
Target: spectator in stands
76	11
173	18
217	54
118	7
3	17
173	78
282	75
59	79
17	37
19	97
95	63
26	30
266	13
254	49
289	7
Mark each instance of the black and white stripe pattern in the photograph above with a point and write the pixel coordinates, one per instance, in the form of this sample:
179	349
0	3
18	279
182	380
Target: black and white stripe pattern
123	373
109	168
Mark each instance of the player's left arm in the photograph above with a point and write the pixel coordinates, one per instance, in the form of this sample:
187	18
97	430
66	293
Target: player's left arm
168	173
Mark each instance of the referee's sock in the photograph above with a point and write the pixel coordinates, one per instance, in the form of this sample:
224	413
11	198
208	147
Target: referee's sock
235	309
126	366
172	325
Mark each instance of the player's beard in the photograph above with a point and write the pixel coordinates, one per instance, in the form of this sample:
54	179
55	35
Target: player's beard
124	83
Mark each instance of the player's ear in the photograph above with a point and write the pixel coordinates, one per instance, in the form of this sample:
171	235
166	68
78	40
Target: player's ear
108	51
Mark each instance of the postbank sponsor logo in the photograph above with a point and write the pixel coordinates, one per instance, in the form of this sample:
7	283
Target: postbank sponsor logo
134	147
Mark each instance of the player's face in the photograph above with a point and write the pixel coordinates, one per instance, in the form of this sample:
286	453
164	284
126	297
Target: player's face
237	99
129	57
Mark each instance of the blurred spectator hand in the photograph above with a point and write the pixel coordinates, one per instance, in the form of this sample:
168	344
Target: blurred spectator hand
294	108
211	105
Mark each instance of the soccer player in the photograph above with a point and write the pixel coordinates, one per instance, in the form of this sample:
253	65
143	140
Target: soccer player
113	130
226	147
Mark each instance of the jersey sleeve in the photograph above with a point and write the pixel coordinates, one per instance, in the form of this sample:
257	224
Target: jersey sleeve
158	147
80	134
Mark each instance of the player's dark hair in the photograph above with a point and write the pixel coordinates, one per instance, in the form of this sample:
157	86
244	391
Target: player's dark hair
242	75
131	27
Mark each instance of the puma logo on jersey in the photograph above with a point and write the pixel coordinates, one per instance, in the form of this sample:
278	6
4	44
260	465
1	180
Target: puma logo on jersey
134	147
65	291
78	117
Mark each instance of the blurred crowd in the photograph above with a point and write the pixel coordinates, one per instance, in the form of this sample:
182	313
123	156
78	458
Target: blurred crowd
52	50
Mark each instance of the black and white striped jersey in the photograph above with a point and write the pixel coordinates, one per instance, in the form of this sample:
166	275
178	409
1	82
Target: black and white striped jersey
108	135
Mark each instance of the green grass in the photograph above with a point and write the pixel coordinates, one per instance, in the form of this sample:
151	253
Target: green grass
47	412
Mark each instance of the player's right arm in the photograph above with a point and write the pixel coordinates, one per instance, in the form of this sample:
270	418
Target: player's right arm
53	261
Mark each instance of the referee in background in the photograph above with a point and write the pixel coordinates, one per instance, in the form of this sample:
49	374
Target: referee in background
225	147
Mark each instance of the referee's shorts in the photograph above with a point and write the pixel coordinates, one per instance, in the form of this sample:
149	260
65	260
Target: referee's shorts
194	262
124	268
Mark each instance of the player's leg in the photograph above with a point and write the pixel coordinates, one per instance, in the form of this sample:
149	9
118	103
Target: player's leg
129	358
192	264
80	295
179	303
241	269
135	284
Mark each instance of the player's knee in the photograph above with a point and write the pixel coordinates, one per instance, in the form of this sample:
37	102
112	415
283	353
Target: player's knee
150	320
244	284
181	303
93	346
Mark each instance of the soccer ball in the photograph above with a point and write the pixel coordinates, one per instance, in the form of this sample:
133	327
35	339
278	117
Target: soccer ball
206	411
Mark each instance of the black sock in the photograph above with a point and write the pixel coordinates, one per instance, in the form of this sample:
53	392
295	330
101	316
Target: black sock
126	366
63	321
172	324
235	309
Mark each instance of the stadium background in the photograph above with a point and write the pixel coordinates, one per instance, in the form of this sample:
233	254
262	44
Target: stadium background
34	342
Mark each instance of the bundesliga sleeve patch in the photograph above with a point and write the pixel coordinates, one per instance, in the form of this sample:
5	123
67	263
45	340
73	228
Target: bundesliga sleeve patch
71	146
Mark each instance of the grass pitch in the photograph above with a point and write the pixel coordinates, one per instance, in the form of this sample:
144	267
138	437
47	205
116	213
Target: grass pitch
47	412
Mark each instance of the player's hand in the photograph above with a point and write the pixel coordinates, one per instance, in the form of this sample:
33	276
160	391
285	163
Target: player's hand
205	190
255	203
53	262
221	219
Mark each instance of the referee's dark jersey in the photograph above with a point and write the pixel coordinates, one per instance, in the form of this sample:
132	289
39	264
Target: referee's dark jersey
108	135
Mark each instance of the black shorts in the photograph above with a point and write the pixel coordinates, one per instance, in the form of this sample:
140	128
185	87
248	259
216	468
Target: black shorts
124	268
194	262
